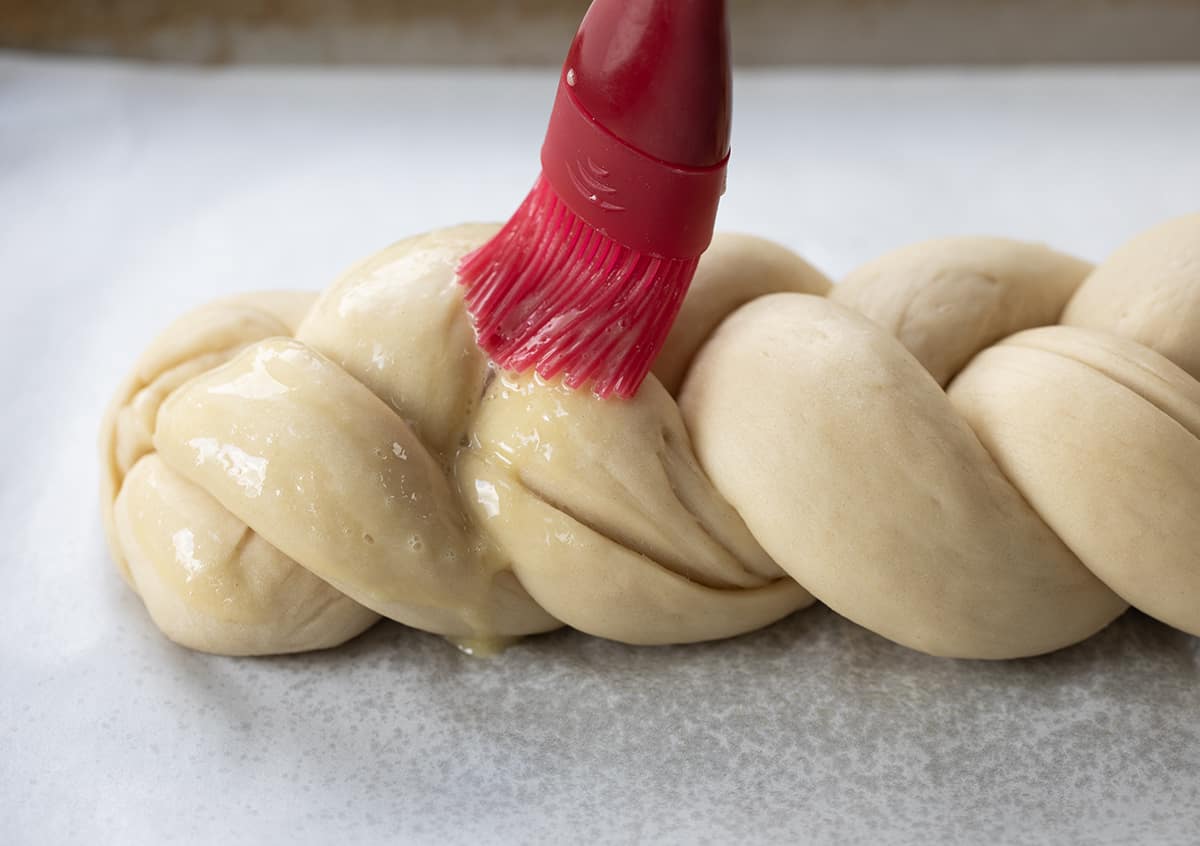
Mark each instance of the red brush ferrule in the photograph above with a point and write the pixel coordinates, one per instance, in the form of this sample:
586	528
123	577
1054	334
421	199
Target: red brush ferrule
639	201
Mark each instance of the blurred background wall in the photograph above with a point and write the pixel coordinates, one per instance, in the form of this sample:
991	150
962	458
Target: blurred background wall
534	32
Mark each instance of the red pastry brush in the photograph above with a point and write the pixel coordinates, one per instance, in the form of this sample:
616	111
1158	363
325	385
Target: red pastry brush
587	277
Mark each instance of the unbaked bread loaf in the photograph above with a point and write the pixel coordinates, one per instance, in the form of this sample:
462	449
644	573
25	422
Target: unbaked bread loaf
924	447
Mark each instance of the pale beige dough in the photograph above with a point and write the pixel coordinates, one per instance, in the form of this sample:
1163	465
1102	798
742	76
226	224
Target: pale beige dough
1102	436
212	583
362	447
948	298
1149	290
860	479
739	268
208	580
609	521
279	471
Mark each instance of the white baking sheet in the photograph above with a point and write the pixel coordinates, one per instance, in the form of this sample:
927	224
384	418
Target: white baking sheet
128	194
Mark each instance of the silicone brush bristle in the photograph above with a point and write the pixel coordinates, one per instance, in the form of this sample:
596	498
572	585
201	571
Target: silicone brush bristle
552	293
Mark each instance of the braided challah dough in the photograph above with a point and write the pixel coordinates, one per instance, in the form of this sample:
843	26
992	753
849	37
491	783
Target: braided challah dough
280	469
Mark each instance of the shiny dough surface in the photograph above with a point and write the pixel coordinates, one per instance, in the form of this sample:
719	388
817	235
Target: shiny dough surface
975	447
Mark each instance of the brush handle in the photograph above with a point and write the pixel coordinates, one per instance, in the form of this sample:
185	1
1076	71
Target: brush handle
638	140
656	74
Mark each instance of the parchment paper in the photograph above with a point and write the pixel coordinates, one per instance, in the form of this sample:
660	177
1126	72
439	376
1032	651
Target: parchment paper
129	193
